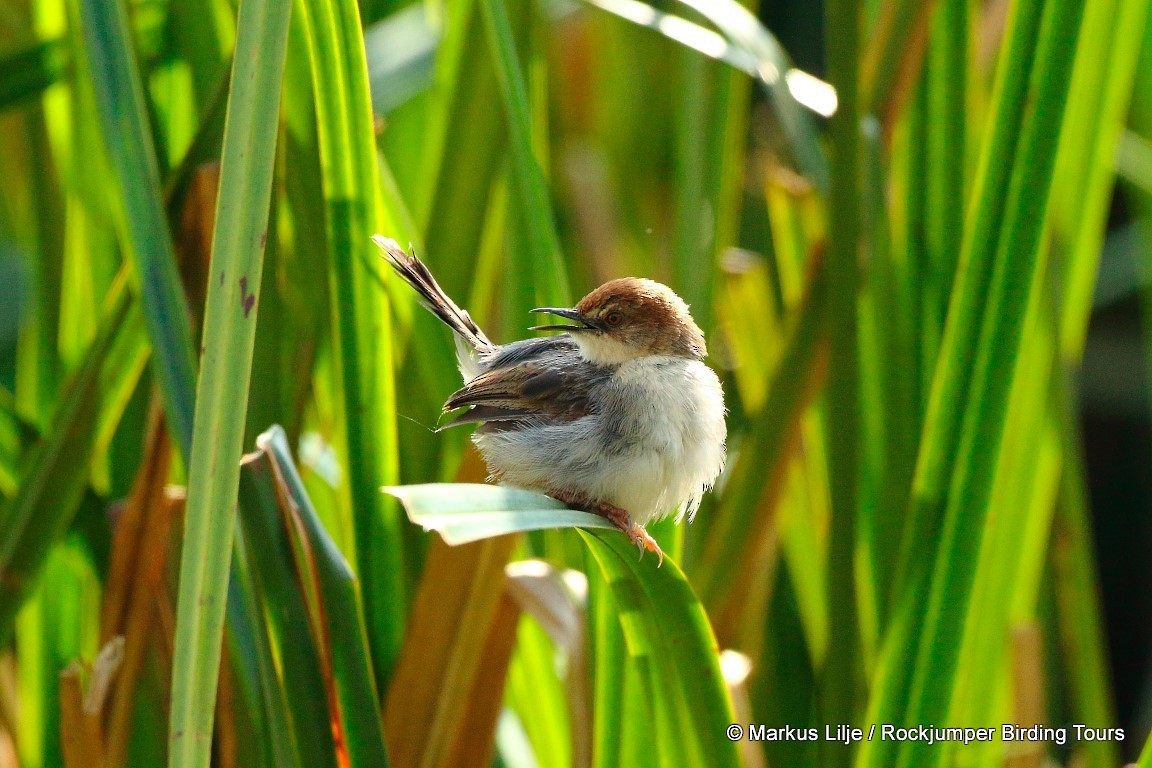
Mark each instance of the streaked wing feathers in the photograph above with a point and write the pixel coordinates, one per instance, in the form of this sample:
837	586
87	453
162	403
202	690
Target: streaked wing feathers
543	380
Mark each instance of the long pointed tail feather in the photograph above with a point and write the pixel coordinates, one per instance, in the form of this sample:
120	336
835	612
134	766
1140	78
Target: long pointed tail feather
432	296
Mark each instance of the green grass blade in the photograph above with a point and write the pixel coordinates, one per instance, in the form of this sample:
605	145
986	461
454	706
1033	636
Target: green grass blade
39	223
16	435
888	65
222	394
889	396
733	543
1014	264
336	616
1108	53
120	378
784	687
301	246
947	153
910	220
698	157
458	151
545	704
297	695
27	72
465	131
361	322
57	626
248	644
711	128
971	288
842	674
1079	613
549	277
1021	504
938	449
609	659
51	487
1019	264
120	98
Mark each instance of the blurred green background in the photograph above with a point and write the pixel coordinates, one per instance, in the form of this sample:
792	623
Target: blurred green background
915	233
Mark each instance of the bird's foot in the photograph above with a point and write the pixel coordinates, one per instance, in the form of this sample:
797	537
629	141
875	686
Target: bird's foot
618	517
635	532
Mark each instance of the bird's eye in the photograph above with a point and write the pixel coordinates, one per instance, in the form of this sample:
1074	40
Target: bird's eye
614	318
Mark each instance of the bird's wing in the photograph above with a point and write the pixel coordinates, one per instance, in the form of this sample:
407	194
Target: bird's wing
542	380
559	348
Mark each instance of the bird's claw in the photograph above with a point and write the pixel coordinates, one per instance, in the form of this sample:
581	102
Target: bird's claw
634	531
618	517
640	537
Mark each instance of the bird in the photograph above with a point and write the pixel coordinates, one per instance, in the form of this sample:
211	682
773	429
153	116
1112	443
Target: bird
617	415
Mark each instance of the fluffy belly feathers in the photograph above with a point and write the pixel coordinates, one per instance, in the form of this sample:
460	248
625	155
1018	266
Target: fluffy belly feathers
655	445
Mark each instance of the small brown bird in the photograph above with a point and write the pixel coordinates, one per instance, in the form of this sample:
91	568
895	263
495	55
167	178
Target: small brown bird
617	416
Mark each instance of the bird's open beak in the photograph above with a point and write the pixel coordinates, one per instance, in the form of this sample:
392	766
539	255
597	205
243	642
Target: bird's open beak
568	314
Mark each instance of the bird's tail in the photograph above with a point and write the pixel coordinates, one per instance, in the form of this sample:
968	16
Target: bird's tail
432	296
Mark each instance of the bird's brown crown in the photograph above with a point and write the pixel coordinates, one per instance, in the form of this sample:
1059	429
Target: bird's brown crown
643	315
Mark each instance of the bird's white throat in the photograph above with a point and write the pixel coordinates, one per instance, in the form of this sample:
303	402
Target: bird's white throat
600	349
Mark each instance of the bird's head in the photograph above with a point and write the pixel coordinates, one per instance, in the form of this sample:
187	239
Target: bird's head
630	318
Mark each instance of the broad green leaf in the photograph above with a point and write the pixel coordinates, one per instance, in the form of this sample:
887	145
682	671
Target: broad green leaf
465	512
673	651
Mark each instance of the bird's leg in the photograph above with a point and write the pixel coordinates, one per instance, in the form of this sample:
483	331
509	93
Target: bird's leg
636	533
615	515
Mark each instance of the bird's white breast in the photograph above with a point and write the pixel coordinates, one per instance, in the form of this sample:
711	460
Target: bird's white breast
670	441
